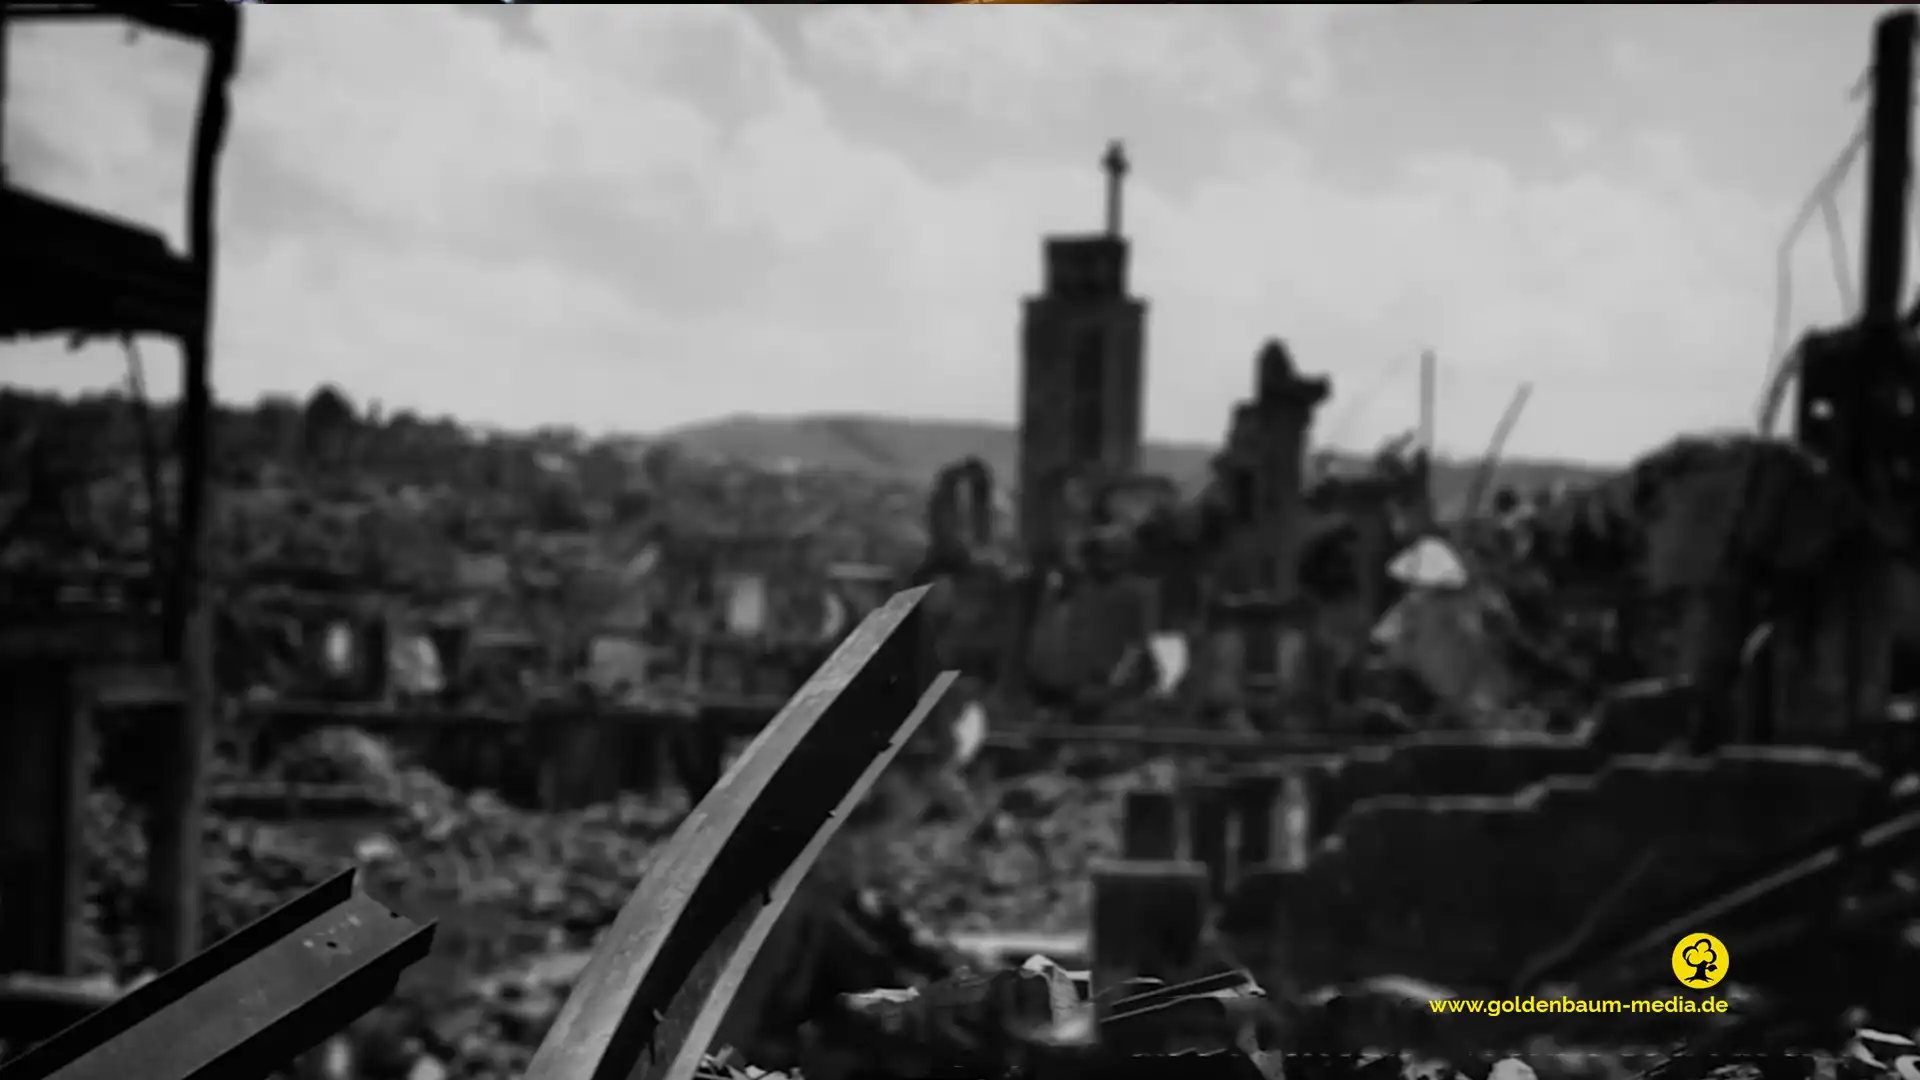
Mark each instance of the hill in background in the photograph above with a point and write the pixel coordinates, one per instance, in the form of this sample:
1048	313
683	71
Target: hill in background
915	450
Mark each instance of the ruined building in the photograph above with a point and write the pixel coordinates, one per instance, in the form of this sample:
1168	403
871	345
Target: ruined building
1257	656
1134	559
1262	467
1082	374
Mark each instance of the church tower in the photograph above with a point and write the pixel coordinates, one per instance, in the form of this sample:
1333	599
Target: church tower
1083	368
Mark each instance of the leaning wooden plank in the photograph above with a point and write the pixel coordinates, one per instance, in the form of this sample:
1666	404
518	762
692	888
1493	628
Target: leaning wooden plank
737	843
687	1029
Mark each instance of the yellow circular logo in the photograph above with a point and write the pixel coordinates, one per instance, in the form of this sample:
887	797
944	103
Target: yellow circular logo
1700	961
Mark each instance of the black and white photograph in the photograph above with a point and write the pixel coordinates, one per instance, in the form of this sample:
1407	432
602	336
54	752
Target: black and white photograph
959	541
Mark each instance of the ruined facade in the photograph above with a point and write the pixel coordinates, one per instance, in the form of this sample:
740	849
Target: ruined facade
1257	653
1263	469
1082	374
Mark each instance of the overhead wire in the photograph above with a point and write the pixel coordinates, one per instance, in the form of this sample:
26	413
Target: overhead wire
1387	374
1784	364
1784	361
1842	261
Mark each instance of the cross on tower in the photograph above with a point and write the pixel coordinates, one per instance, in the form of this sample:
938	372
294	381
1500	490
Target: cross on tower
1115	163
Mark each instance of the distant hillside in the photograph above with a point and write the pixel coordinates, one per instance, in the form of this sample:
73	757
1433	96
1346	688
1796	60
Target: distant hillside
916	450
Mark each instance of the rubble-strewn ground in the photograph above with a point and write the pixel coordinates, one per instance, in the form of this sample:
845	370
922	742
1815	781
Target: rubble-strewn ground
520	896
547	534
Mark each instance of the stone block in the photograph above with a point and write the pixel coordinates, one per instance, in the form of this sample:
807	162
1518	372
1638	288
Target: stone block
1447	763
1148	919
1642	717
1151	826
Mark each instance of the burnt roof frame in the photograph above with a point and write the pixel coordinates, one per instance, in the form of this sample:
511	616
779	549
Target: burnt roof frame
185	281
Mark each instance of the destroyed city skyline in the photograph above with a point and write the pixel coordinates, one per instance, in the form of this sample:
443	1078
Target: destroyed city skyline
634	220
342	742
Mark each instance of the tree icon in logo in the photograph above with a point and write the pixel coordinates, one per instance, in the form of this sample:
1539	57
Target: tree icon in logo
1700	961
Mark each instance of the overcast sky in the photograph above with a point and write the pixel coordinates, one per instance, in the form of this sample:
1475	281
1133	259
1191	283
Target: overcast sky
628	218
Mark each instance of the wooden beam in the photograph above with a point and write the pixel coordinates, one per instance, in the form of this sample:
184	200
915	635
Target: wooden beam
176	820
44	758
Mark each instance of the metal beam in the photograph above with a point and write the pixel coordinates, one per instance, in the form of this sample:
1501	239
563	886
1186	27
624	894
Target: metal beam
249	1004
737	843
689	1025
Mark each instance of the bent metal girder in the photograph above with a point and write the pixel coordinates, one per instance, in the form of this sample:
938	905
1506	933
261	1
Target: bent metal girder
248	1005
658	986
659	982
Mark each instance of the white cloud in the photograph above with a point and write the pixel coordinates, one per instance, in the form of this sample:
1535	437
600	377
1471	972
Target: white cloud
1630	59
1570	137
1052	59
651	215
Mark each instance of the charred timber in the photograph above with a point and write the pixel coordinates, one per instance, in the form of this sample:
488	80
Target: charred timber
1889	167
77	272
213	24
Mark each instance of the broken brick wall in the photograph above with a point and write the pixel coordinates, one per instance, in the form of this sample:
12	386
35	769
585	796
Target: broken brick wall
1458	878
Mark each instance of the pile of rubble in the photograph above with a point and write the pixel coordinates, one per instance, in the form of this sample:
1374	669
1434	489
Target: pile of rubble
861	977
541	879
1017	857
521	897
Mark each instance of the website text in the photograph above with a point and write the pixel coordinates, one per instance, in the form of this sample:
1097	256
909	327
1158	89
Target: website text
1511	1006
